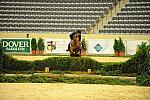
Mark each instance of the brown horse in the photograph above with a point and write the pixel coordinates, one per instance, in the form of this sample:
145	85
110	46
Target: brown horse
75	46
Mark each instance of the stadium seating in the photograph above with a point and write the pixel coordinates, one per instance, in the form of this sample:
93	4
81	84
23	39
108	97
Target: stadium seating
134	18
51	15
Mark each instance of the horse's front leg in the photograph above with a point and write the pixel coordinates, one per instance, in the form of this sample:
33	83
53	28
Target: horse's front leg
71	51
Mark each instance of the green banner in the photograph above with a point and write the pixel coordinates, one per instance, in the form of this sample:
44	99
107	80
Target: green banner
16	45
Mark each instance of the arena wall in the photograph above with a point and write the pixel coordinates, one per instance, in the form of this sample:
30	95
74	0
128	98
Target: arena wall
104	42
66	36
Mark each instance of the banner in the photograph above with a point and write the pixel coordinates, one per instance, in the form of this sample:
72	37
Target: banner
132	46
100	46
16	45
56	45
105	46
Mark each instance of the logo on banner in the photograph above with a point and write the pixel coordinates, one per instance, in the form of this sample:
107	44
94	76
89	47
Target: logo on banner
51	45
98	47
16	45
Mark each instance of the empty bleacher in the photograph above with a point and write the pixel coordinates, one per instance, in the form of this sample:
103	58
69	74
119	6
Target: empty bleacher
134	18
51	15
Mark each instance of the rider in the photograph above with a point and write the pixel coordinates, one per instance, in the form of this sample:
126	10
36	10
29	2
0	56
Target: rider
71	37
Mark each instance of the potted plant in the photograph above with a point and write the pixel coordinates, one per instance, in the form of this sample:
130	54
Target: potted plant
41	46
116	50
33	46
119	47
84	47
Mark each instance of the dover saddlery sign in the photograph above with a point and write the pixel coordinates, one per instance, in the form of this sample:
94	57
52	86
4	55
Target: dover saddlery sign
16	45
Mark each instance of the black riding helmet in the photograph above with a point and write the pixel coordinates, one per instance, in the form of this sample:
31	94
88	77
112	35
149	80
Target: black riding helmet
72	34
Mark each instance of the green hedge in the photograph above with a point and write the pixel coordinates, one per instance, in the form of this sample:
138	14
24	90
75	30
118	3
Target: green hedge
58	79
67	64
10	63
111	69
140	62
14	79
111	66
143	79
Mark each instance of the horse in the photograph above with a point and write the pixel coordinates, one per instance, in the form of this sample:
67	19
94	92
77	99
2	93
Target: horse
75	46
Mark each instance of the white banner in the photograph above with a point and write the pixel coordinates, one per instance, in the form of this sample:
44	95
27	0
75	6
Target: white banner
56	45
132	46
94	46
105	46
100	46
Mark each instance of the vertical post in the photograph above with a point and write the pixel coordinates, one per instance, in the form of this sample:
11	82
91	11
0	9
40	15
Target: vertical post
89	71
46	69
27	36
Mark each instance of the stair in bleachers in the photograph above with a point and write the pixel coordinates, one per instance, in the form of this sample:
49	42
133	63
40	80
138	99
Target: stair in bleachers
100	23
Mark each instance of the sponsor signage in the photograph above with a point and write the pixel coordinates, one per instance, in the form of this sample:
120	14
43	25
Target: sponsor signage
16	45
56	45
100	46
